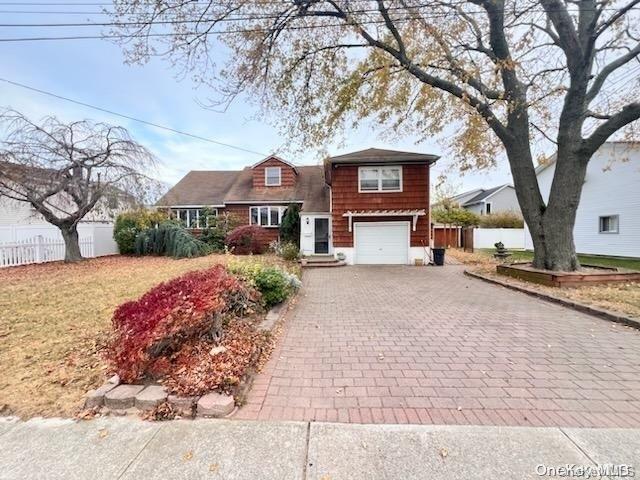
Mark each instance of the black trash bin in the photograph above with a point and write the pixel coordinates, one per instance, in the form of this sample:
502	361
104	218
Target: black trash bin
438	256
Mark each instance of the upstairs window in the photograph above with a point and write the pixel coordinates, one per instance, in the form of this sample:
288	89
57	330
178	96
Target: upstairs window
267	216
610	224
273	176
380	179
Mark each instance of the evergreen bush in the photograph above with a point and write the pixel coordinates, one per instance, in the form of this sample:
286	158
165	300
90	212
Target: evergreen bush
170	239
129	224
290	225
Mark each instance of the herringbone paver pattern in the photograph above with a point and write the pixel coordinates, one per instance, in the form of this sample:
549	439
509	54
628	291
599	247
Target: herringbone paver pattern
429	345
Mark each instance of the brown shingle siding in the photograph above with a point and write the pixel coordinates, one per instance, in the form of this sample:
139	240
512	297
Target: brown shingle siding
288	174
345	197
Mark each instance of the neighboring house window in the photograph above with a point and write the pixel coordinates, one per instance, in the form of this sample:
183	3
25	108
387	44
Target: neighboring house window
380	179
193	217
272	176
609	224
266	216
487	208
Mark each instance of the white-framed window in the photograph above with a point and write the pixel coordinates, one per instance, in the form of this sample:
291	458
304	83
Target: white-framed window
273	176
487	208
266	216
609	224
380	179
194	217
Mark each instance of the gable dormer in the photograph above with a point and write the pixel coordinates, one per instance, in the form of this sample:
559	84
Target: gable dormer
274	172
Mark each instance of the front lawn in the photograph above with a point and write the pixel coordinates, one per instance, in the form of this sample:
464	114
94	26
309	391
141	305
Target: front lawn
527	255
55	319
620	297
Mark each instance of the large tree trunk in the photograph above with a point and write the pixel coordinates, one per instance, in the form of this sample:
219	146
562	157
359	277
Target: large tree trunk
71	243
552	231
550	225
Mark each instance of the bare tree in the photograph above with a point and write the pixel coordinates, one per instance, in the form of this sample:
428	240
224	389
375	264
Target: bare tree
488	75
66	170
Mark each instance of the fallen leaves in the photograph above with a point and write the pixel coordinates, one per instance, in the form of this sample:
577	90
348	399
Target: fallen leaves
57	312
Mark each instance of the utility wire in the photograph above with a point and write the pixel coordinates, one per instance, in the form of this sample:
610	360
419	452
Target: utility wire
215	32
128	117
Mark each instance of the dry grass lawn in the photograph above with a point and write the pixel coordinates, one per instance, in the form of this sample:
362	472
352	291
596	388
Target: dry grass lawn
622	297
54	320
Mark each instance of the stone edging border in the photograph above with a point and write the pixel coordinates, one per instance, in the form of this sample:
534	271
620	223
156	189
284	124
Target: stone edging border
579	306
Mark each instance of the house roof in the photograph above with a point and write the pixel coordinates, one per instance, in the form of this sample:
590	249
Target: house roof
310	188
200	188
229	187
295	169
377	155
484	194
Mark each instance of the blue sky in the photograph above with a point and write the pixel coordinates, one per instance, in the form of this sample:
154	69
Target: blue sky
93	71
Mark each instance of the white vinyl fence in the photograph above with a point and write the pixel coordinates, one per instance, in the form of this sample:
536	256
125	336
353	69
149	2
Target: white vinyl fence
25	244
488	237
39	250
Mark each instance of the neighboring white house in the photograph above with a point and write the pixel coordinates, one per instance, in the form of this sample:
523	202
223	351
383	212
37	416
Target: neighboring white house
486	201
24	232
608	216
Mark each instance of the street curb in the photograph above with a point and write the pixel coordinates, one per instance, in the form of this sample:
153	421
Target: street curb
579	306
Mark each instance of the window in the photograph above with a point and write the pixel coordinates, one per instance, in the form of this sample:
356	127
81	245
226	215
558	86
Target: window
487	208
609	224
194	217
380	179
272	176
266	216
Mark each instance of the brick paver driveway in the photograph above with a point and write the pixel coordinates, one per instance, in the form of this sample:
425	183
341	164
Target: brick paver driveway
429	345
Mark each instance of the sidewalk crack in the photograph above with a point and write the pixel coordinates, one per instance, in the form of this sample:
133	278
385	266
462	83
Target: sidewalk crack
578	447
139	452
306	452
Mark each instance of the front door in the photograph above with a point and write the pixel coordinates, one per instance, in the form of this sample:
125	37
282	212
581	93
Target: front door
321	236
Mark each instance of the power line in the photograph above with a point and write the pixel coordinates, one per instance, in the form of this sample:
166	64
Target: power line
128	117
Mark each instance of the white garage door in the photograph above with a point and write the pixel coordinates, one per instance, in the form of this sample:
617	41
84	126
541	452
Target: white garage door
384	243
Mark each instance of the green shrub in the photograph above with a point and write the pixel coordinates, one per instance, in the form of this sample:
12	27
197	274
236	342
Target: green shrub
170	239
218	228
290	225
273	284
290	251
502	220
129	224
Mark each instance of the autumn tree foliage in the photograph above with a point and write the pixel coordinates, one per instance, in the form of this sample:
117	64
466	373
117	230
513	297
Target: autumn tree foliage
488	76
169	332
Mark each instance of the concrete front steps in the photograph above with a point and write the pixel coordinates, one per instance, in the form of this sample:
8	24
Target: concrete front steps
322	261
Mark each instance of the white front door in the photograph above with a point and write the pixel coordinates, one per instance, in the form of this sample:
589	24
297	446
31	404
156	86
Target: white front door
381	243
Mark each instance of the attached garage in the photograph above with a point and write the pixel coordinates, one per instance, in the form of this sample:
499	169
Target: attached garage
381	243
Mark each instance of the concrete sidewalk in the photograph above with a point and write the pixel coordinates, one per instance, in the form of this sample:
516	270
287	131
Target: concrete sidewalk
113	448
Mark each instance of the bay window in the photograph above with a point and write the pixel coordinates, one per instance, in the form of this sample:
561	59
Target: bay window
266	216
380	179
194	217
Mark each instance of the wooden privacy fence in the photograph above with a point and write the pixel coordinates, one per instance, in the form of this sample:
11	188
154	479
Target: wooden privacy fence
39	250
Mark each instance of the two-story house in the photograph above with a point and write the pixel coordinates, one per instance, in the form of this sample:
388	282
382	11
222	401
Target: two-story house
608	215
372	206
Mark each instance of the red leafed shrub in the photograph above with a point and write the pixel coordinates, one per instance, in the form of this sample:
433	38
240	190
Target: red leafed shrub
245	239
150	331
